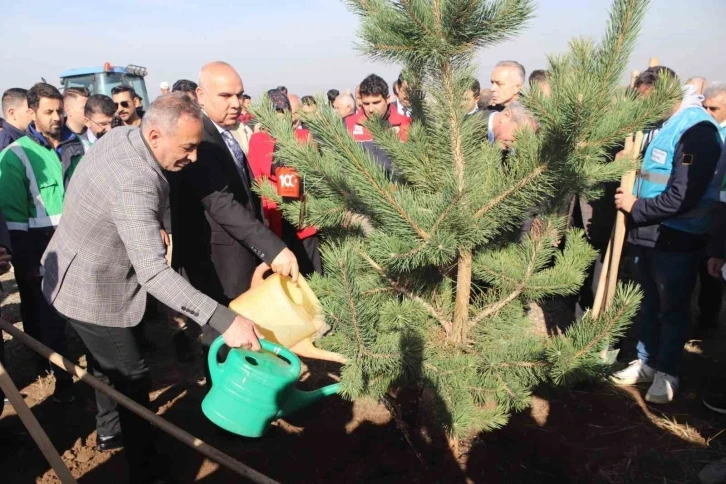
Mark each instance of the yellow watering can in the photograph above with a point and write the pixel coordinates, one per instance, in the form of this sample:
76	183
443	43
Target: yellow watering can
288	314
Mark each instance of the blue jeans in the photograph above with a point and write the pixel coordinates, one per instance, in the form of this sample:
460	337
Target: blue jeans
667	280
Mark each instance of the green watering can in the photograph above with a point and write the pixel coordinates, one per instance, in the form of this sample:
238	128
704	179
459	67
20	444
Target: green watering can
251	389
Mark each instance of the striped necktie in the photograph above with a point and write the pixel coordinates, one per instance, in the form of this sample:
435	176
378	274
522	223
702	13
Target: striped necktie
238	155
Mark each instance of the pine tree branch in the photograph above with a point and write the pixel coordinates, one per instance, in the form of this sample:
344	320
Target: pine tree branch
352	219
454	202
511	191
542	113
461	326
496	307
407	6
604	333
383	193
617	48
505	386
399	288
523	364
624	131
395	48
453	371
438	24
354	317
433	230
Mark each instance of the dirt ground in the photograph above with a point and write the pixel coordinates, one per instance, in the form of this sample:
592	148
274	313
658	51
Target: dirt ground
593	434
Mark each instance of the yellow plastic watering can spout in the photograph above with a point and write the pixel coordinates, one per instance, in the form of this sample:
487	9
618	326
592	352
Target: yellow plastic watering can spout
298	399
286	313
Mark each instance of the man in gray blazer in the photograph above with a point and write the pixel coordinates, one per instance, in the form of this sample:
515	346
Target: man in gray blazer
107	253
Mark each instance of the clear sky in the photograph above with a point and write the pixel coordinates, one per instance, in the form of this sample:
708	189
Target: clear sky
308	45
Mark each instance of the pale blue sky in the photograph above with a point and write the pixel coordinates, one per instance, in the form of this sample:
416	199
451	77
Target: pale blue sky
308	45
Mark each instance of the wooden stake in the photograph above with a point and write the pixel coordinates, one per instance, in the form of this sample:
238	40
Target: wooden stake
34	428
141	411
632	148
602	281
654	61
607	282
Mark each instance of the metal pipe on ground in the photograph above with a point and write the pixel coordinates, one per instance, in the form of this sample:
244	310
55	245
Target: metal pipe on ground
36	431
141	411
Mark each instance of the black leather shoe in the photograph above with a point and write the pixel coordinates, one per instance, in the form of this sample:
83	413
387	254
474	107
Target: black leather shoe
110	442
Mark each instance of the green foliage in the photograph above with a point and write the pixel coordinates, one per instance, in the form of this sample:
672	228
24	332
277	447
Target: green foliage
396	247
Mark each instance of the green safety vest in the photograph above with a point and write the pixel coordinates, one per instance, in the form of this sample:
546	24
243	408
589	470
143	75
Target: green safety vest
33	180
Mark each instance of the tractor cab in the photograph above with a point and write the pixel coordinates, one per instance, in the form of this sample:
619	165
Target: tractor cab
101	80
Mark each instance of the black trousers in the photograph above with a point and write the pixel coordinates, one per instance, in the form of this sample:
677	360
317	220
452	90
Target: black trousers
28	303
117	361
709	297
52	332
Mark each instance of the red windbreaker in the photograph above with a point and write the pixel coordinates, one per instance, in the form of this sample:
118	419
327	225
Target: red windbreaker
260	158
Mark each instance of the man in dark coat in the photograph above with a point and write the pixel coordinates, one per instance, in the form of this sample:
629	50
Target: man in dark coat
219	235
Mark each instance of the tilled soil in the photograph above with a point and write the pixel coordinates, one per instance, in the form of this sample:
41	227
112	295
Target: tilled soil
598	433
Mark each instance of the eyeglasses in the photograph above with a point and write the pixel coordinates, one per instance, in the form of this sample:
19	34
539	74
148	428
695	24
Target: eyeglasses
123	104
104	125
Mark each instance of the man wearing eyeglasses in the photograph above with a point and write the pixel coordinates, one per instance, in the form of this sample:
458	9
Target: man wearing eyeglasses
123	97
99	112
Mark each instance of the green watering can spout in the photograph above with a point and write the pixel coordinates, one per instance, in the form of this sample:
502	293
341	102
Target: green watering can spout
299	399
251	389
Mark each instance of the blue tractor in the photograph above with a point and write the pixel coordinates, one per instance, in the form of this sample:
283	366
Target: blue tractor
102	79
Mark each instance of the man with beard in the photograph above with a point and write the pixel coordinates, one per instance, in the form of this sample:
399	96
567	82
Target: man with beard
126	111
34	174
98	118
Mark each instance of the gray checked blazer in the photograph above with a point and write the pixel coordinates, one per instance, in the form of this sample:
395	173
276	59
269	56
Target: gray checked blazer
107	252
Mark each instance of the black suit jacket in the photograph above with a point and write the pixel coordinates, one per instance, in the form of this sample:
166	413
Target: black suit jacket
219	236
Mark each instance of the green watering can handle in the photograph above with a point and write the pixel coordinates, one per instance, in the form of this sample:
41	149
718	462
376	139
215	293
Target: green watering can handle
285	353
215	368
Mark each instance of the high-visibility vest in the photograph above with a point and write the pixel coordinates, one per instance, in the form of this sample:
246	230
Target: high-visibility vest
33	182
653	178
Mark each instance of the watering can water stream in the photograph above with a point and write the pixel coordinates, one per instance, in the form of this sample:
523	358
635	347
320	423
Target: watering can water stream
251	389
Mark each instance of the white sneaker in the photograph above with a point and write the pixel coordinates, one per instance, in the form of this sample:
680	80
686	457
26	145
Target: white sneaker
663	389
636	372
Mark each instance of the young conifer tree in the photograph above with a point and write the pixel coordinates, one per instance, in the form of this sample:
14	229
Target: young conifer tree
424	283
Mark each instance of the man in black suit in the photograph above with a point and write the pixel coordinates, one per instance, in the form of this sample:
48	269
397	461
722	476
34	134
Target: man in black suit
219	235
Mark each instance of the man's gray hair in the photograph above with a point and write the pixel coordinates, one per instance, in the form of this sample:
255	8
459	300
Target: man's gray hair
165	111
347	99
516	66
715	89
521	115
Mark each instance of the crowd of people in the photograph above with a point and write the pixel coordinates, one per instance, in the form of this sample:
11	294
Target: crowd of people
103	202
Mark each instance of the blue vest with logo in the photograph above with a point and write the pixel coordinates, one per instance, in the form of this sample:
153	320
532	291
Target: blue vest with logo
658	167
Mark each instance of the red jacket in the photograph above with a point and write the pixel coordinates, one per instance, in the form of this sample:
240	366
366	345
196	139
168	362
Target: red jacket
260	158
396	121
